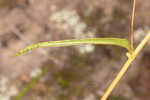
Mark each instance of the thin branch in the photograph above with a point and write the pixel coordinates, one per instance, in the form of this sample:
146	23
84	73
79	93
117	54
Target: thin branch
126	66
132	26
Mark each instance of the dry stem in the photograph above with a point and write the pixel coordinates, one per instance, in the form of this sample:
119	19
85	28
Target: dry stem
126	66
132	26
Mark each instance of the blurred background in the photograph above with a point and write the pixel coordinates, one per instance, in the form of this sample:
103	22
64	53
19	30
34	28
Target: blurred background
77	72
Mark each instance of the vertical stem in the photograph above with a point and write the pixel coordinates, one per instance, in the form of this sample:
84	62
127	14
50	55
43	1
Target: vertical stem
132	26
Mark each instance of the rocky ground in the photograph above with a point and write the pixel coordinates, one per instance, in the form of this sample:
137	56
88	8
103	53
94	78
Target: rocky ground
78	72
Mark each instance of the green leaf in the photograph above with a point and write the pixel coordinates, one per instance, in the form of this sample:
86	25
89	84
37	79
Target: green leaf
30	85
102	41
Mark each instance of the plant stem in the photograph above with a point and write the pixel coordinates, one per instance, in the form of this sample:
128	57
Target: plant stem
126	66
132	26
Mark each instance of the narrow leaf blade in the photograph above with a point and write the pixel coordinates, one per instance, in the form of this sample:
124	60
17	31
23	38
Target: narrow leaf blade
31	84
99	41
